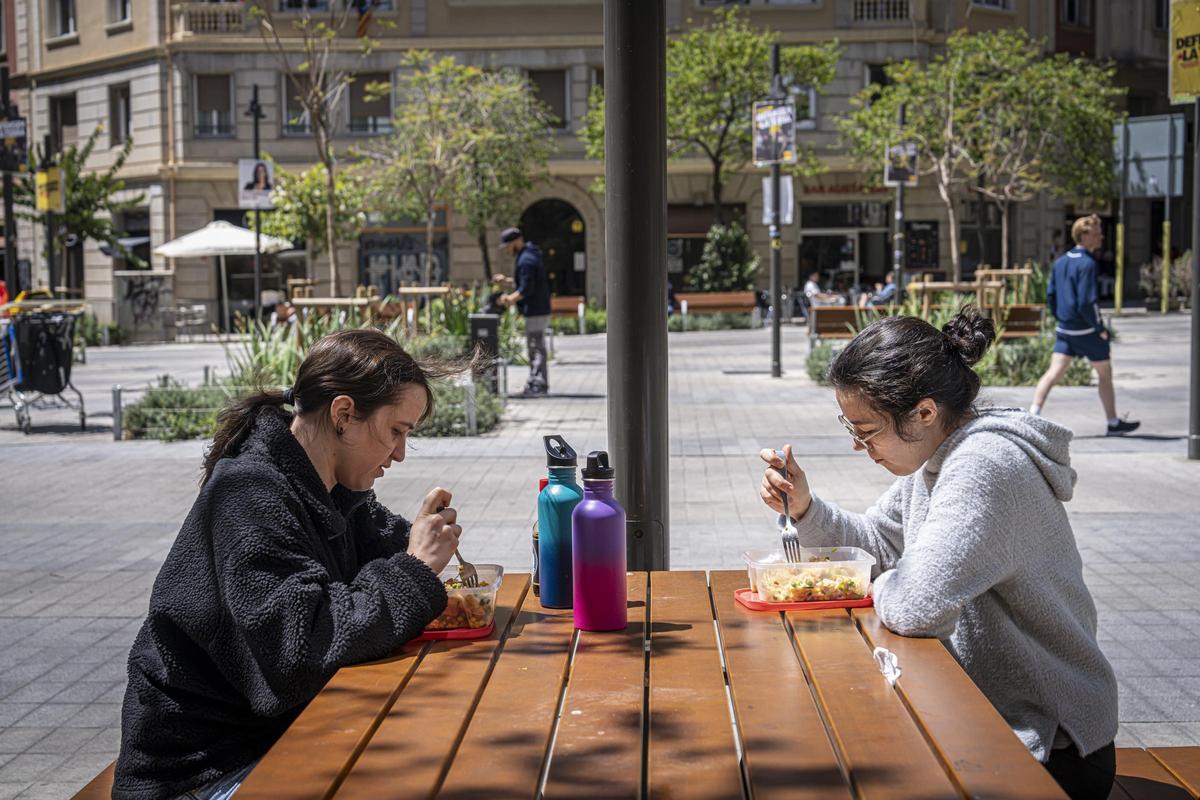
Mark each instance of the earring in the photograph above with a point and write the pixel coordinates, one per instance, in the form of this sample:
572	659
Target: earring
340	431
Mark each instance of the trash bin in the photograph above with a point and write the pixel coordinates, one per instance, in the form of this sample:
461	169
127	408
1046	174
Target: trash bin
485	336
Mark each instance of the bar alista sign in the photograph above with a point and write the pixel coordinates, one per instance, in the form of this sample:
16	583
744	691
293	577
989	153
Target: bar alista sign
1185	51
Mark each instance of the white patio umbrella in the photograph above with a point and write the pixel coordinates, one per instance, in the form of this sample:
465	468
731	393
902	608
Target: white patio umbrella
221	239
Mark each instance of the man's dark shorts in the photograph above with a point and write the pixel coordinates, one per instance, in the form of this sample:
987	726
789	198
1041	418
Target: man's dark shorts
1087	345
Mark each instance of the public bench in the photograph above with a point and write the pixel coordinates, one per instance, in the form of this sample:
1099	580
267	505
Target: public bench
717	302
566	305
842	322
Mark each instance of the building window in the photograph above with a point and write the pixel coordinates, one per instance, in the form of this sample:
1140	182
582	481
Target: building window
134	235
598	77
119	116
805	98
1162	14
720	3
63	122
214	105
1002	5
303	5
60	14
1076	12
876	74
120	11
550	86
3	38
371	103
296	120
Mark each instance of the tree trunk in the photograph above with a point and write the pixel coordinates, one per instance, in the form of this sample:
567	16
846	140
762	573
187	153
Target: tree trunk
487	262
429	218
331	229
1005	209
718	208
952	220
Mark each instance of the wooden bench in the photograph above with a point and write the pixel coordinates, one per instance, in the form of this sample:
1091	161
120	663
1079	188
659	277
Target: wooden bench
836	322
717	302
1158	773
566	305
1022	320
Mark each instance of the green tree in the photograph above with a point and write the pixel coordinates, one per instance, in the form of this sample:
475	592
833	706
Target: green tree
714	75
728	263
1042	123
417	169
513	141
310	51
91	204
301	203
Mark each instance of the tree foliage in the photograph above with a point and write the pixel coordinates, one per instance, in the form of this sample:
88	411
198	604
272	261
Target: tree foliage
714	74
728	263
91	205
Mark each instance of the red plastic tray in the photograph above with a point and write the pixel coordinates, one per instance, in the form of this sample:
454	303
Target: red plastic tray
746	598
457	633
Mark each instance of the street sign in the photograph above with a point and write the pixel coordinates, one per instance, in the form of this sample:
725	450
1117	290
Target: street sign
786	202
1154	167
900	165
50	195
13	145
1183	70
774	132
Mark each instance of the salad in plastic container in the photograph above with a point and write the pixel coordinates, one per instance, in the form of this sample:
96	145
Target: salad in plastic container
823	574
469	608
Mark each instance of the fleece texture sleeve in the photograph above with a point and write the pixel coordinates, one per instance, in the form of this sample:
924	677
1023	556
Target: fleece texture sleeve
880	531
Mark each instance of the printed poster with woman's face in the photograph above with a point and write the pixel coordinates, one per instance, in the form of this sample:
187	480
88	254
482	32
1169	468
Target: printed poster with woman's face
256	179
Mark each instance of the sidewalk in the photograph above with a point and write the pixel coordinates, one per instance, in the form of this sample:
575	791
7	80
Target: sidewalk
85	521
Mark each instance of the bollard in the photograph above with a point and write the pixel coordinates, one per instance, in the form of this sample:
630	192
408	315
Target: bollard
550	342
469	391
411	320
683	313
207	375
116	413
756	317
503	381
582	320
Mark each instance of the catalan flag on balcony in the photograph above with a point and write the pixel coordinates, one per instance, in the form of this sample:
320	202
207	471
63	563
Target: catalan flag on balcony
366	9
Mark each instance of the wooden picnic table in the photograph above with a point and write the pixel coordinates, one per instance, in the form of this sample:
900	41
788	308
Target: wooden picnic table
760	704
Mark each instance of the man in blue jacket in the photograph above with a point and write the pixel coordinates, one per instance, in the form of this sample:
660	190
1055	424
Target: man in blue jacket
532	298
1079	331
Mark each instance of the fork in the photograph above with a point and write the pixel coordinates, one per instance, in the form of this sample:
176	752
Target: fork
467	571
791	537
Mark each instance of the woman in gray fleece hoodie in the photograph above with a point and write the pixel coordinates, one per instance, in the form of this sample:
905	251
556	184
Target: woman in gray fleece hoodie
973	542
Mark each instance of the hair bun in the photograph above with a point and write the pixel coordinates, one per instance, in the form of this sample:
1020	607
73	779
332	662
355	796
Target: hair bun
970	334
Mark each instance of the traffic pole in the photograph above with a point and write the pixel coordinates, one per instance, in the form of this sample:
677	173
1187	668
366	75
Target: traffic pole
11	277
255	112
1194	407
898	228
776	239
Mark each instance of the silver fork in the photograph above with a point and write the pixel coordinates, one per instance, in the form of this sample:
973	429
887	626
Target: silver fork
467	571
791	537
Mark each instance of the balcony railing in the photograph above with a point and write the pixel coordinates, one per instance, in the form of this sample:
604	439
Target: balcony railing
209	18
882	10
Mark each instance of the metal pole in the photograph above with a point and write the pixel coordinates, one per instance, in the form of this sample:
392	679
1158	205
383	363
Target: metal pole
1119	289
635	179
47	161
1194	405
1166	229
118	421
256	113
898	228
776	240
11	278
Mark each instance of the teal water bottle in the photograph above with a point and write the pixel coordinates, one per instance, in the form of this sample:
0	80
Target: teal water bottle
555	504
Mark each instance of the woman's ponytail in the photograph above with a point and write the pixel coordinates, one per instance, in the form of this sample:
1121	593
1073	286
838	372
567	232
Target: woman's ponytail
234	424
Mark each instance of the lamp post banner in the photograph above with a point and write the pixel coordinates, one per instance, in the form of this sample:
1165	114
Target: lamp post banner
774	132
1184	67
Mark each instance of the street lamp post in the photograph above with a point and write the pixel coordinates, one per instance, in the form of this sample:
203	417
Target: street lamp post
255	112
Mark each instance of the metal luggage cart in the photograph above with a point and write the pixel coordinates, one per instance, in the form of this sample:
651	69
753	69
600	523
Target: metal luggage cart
10	373
38	360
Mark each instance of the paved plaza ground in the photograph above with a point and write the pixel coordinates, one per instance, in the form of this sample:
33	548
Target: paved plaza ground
85	521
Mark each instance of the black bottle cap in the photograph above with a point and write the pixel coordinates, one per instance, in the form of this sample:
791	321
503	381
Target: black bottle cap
559	453
598	468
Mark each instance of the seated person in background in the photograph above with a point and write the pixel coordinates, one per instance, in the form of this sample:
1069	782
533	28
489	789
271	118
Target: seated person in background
283	314
816	296
884	293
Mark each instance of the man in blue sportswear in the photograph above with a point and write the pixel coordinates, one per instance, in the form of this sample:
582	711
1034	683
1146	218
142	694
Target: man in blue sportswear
1079	331
532	298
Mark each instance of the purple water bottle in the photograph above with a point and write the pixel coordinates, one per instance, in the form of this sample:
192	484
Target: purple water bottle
598	550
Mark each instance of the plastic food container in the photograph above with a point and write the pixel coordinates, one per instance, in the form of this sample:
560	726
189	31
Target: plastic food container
469	608
823	574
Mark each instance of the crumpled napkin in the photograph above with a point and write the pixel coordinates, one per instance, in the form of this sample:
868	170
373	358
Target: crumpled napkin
888	664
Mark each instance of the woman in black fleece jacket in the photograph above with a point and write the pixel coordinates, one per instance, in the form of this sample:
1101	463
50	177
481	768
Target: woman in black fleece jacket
286	569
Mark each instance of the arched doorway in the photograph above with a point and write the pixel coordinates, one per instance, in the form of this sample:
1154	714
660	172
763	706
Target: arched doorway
557	228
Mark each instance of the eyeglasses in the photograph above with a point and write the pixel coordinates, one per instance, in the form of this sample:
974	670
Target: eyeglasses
850	429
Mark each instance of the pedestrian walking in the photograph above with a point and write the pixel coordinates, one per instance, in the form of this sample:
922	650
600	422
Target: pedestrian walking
531	296
1079	330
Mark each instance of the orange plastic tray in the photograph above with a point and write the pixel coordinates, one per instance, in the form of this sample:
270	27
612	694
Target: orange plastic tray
458	633
747	598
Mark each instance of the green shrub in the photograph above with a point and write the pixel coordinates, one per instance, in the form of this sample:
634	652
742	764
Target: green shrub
1179	285
817	364
720	321
450	415
1021	362
174	411
728	263
91	331
595	320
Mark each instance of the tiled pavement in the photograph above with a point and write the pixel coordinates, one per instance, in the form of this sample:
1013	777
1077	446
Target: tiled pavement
85	521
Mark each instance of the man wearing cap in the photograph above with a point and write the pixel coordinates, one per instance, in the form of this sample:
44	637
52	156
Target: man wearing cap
532	299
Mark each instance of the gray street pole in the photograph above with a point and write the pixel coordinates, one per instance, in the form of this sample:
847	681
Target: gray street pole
256	113
11	278
635	179
898	228
48	145
776	240
1194	403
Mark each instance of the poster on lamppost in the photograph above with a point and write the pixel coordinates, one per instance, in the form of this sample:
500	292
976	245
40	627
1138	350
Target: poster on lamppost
1183	69
255	180
774	132
14	156
900	165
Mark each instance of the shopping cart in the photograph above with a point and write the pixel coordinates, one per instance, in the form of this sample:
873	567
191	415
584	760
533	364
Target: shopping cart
38	359
10	373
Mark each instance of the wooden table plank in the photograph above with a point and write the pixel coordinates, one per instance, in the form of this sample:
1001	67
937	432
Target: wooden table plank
416	740
506	742
877	740
986	757
691	739
787	750
1141	775
598	745
1183	763
99	787
315	753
